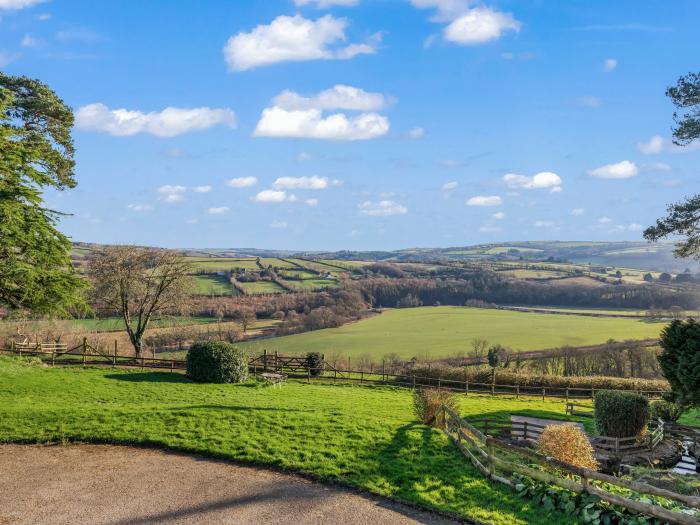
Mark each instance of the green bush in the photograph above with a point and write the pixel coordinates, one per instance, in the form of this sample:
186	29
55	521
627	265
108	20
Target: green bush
314	363
216	362
621	414
680	360
427	404
666	410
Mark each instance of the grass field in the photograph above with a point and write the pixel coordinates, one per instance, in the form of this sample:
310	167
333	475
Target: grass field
259	287
363	436
447	330
213	284
312	284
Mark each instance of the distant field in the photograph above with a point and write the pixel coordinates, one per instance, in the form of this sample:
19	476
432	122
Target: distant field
260	287
447	330
213	284
112	323
311	284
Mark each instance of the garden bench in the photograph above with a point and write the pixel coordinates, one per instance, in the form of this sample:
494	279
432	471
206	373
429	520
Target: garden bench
273	378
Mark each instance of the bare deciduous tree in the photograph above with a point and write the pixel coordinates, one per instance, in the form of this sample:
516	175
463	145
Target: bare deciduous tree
140	284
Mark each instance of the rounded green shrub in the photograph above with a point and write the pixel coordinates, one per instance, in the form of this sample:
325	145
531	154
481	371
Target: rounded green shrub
621	414
314	363
666	410
216	362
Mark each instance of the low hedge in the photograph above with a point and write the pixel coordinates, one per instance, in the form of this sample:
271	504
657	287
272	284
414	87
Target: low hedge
621	414
216	362
558	384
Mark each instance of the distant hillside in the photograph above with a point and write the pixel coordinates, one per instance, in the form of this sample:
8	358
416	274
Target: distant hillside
640	255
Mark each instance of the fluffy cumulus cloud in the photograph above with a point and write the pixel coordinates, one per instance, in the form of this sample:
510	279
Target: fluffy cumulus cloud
272	196
167	123
604	220
301	183
620	170
311	202
202	189
655	144
381	208
11	5
172	193
484	200
339	96
449	186
325	4
294	116
469	25
219	210
609	65
242	182
542	180
293	38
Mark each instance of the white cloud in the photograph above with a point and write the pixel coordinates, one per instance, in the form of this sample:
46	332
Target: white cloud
381	208
578	212
167	123
609	64
29	41
294	116
604	220
620	170
293	38
139	207
303	157
542	180
301	183
278	224
544	224
588	101
635	227
325	4
468	26
202	189
220	210
480	200
499	215
311	202
242	182
171	193
338	97
449	186
271	196
11	5
654	145
416	133
279	122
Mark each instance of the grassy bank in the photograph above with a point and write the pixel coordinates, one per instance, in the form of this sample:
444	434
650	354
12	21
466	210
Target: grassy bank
363	436
443	331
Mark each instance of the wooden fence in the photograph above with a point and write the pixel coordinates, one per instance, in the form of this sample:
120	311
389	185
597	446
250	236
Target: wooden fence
295	366
497	460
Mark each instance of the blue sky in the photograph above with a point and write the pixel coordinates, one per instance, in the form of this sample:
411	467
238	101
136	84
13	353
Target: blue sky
362	124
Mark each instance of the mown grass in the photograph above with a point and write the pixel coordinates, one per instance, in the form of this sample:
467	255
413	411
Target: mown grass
213	284
432	332
362	436
260	287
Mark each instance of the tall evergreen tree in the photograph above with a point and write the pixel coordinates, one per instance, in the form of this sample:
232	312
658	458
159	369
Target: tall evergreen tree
36	152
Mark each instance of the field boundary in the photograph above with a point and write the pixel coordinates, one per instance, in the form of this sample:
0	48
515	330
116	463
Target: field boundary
84	354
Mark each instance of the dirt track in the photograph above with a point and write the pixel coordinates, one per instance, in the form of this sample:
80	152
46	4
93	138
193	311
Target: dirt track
98	484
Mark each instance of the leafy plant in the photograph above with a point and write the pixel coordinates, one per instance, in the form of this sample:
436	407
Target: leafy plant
569	444
621	414
666	410
314	363
680	360
216	362
427	403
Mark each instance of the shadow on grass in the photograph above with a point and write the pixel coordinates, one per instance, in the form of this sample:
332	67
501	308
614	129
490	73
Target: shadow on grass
504	415
150	377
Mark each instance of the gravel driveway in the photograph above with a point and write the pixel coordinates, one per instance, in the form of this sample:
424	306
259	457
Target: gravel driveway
100	484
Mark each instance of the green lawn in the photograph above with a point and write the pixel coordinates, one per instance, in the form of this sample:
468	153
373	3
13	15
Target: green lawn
260	287
363	436
447	330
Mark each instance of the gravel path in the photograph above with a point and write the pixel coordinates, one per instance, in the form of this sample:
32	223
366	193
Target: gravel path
100	484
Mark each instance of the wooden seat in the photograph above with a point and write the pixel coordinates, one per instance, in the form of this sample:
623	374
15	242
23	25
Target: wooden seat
273	378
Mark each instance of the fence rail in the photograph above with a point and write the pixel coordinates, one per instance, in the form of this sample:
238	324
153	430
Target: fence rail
482	450
296	366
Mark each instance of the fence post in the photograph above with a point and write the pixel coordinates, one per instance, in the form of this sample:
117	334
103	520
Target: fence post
84	350
308	375
525	429
543	393
466	387
53	357
517	391
383	378
264	360
439	382
172	366
492	463
414	381
592	394
567	394
114	357
362	375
